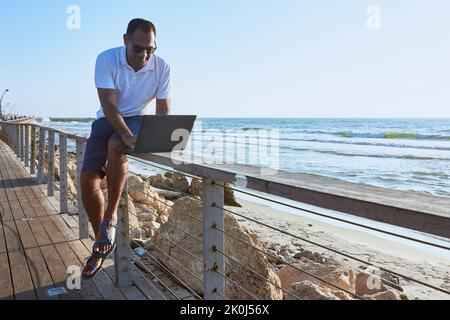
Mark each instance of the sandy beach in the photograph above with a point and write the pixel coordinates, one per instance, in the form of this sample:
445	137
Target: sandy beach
418	262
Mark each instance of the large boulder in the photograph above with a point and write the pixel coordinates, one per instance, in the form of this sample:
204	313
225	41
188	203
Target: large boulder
143	193
246	255
180	183
158	181
230	199
195	189
367	284
389	294
333	272
306	290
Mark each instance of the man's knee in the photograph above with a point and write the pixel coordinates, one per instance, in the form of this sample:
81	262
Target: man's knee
116	146
90	181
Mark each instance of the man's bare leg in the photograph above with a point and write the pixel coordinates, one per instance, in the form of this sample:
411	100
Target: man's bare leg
92	197
116	174
94	202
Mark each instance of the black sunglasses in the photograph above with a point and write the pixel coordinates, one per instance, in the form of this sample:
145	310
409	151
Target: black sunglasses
139	49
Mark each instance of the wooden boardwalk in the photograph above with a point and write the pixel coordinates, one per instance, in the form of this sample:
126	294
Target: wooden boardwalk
38	245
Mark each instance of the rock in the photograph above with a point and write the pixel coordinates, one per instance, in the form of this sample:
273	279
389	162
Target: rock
255	239
143	193
332	272
146	214
150	228
367	284
153	180
137	243
388	279
307	290
196	188
230	199
169	195
243	253
386	295
313	256
160	182
168	175
180	183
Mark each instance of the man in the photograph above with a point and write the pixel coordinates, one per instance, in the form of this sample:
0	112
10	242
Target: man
127	78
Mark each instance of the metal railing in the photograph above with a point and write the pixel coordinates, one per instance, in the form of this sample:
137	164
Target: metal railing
21	137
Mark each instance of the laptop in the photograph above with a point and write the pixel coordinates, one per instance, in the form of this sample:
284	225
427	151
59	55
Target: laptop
164	133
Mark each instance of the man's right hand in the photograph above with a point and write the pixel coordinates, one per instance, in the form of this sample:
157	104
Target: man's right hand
129	141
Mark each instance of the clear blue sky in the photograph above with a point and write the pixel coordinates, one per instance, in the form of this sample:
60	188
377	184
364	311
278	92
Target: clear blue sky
246	58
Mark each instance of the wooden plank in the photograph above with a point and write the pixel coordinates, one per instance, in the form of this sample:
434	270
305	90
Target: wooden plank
37	191
27	209
40	275
70	220
47	207
39	232
58	272
26	235
18	190
103	282
131	292
16	210
88	289
28	192
52	230
2	240
5	211
9	189
3	196
146	286
11	236
6	287
66	231
21	277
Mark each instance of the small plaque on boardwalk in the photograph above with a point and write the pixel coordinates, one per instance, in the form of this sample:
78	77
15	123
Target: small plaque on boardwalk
56	291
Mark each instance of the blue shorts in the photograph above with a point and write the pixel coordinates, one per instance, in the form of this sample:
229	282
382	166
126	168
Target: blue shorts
96	154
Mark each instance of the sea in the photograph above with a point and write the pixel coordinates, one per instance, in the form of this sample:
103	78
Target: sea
403	154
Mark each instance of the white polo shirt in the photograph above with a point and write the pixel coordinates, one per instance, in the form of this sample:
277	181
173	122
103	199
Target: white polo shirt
135	90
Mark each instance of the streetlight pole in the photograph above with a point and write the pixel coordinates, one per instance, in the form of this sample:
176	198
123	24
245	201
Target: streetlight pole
1	100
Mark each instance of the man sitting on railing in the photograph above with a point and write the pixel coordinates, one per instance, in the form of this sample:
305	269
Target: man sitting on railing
127	78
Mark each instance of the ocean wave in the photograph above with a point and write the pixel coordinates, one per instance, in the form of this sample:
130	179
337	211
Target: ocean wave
371	155
357	143
392	135
348	154
432	174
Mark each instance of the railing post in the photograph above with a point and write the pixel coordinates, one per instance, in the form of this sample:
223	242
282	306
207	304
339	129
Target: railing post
17	141
22	142
82	217
122	254
33	150
63	173
41	156
51	163
213	219
27	145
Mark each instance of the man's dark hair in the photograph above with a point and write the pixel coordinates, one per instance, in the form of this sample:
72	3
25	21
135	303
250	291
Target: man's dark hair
141	24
